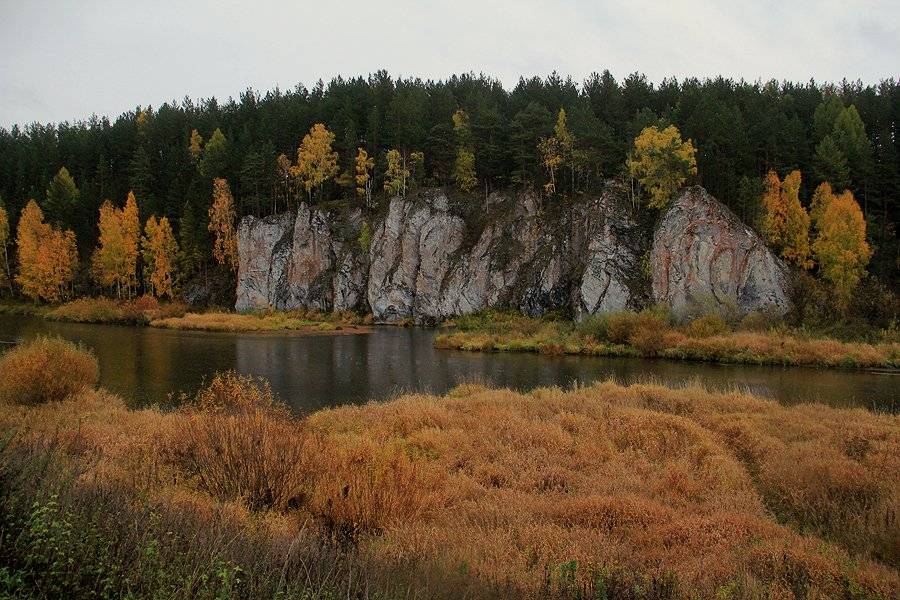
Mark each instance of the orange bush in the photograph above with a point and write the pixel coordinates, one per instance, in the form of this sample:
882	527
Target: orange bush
46	370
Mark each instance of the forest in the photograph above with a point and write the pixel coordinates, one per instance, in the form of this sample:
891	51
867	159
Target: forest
466	130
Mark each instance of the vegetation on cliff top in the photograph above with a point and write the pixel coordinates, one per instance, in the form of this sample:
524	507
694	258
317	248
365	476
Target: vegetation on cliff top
601	492
651	333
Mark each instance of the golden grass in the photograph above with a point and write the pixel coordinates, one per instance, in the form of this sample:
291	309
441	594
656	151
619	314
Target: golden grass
599	490
648	334
136	311
300	320
45	370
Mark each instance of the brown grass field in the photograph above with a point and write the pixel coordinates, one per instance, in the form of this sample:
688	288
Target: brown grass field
596	492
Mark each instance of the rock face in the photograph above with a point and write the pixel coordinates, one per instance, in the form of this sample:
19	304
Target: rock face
703	257
431	257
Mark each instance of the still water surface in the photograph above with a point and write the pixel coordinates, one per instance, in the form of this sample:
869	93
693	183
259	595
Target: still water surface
309	372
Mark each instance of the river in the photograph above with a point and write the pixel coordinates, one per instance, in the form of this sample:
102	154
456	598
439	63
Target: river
145	365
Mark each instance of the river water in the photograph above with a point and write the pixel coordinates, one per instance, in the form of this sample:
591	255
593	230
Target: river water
145	365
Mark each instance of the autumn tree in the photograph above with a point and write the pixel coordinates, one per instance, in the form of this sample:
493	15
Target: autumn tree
840	246
5	275
363	179
108	261
821	198
556	150
785	221
396	174
316	161
195	146
48	257
221	223
464	165
661	162
159	251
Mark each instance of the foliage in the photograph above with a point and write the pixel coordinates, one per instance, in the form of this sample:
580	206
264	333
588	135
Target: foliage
396	175
840	246
365	236
316	162
464	166
785	221
62	198
363	166
135	311
159	251
556	150
215	155
662	163
48	257
195	145
480	493
114	262
295	320
221	223
45	370
5	274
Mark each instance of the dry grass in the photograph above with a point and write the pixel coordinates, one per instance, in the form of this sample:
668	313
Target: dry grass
137	311
649	334
46	370
300	320
603	491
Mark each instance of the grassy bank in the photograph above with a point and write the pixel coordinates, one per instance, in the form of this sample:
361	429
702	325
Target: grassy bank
295	320
598	492
651	334
175	315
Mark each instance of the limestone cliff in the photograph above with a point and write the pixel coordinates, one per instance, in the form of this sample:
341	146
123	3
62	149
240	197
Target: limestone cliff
432	257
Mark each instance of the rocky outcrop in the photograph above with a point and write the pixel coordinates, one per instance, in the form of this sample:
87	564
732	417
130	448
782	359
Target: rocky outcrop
704	258
432	257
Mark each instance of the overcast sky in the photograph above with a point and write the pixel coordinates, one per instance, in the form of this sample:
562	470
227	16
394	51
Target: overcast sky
67	60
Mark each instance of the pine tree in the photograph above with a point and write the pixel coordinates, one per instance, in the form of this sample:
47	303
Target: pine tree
215	155
831	164
61	205
221	223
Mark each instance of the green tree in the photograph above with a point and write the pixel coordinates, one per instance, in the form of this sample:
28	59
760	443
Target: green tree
61	204
215	155
831	164
464	166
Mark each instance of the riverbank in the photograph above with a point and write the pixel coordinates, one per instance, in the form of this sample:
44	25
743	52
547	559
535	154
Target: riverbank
175	315
602	491
651	334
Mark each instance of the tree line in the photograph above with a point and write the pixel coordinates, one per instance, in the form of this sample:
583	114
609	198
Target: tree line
355	140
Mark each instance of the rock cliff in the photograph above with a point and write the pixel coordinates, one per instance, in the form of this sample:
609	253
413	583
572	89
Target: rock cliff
704	256
432	256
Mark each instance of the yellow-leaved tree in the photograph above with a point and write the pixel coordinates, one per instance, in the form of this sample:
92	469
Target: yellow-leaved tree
464	165
108	261
221	223
785	221
661	163
364	165
840	246
396	174
131	231
195	146
822	197
48	257
316	161
159	251
5	275
556	150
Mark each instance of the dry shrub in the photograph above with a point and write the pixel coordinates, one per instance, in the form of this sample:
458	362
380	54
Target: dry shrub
87	310
46	370
644	328
240	443
706	326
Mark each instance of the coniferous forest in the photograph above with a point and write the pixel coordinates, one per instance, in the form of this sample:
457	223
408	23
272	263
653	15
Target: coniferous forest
169	155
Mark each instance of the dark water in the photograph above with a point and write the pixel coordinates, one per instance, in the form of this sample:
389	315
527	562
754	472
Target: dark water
310	372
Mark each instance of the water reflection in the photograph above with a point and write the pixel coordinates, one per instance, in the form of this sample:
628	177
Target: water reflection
311	372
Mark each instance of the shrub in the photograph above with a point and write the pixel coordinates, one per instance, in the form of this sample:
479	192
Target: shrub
645	328
242	444
46	370
706	326
87	310
620	325
595	326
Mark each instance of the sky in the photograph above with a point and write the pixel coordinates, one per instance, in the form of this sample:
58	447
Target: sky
68	60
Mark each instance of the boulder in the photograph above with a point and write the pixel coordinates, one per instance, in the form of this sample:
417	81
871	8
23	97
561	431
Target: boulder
704	258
